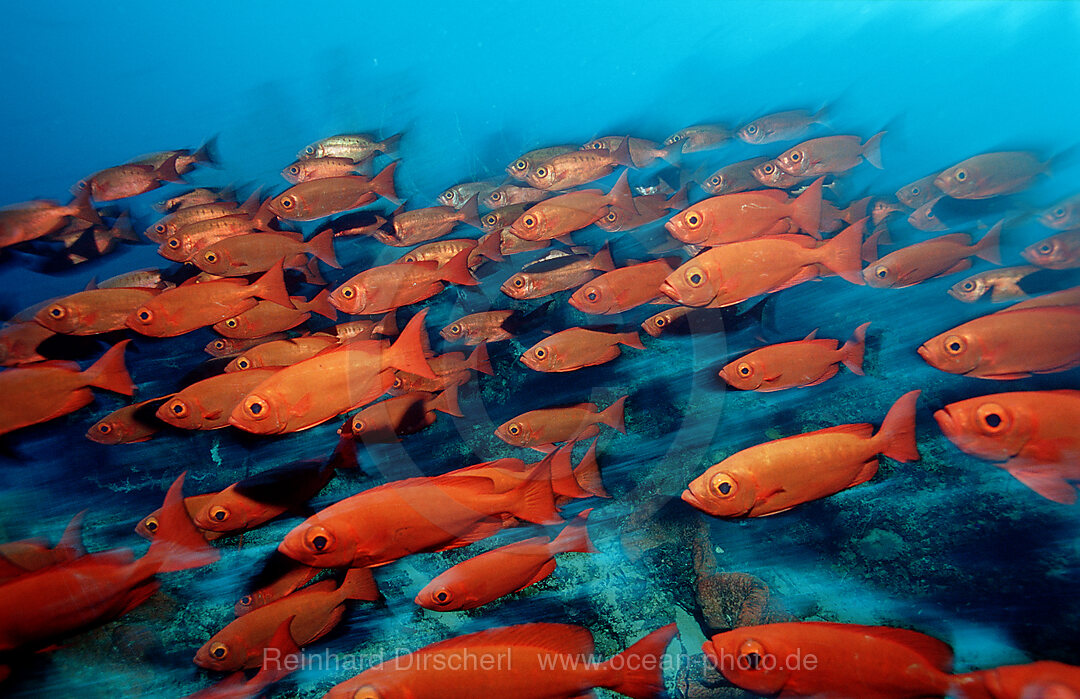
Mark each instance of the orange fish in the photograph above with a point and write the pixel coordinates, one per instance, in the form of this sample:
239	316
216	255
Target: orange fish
649	208
868	662
643	153
17	558
128	425
422	225
228	347
315	390
527	163
556	272
1010	344
176	221
124	181
656	324
502	217
732	273
492	326
781	126
39	609
830	154
314	610
280	659
543	429
694	139
367	329
529	651
192	306
385	523
207	404
148	526
314	199
451	369
93	312
267	317
252	253
624	288
48	390
576	348
1045	679
503	571
1065	297
1002	284
189	241
284	352
745	215
1061	251
508	194
991	175
321	168
568	482
919	192
510	244
736	177
807	362
281	583
382	289
442	251
776	476
186	160
578	167
1063	216
566	213
37	219
938	257
1030	434
19	343
387	421
355	146
924	218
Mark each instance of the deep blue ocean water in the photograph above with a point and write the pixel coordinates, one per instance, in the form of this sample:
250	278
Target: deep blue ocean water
983	563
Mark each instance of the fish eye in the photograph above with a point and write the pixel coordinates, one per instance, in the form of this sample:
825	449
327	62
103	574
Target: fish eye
992	418
232	323
929	214
220	344
348	292
219	513
397	382
1046	249
611	217
795	155
540	352
660	322
881	272
243	363
915	191
693	219
519	282
768	168
744	369
178	408
695	277
151	524
723	485
676	138
597	145
448	195
514	429
57	312
319	539
366	692
256	408
443	596
592	294
752	129
309	150
145	315
160	228
714	181
219	651
490	219
104	428
287	203
521	164
1059	213
969	286
245	601
210	257
173	243
455	329
954	344
409	258
541	172
961	175
528	221
750	655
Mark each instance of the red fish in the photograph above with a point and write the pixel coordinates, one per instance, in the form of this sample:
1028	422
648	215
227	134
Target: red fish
293	577
253	253
556	272
990	175
228	347
529	651
314	199
776	476
781	126
314	610
1010	344
128	425
48	390
503	571
807	362
192	306
919	192
421	225
400	518
868	662
442	251
450	369
207	404
37	219
649	208
124	181
267	317
19	343
279	660
830	154
578	167
521	168
384	288
624	288
643	153
566	213
947	254
1030	434
745	215
148	526
173	223
386	421
39	608
321	168
736	177
577	348
17	558
189	241
1045	679
285	352
543	429
93	312
491	326
1061	251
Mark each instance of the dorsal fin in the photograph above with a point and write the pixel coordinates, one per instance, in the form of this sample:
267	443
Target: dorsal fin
812	335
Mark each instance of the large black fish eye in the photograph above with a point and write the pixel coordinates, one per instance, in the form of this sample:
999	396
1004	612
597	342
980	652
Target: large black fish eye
56	312
881	272
768	169
592	295
174	243
151	525
961	175
992	420
660	322
319	543
294	170
715	181
490	219
541	172
521	164
518	282
724	488
753	660
969	286
751	129
245	601
160	228
442	596
144	315
695	278
104	429
795	155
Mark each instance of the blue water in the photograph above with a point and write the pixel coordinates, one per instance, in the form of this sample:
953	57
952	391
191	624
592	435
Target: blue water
984	564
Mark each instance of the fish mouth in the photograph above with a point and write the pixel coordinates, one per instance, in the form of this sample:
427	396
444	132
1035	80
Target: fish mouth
692	499
941	183
924	352
667	289
576	304
946	422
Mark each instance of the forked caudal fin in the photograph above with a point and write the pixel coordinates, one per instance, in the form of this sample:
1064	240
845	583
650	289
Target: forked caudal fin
897	434
407	352
639	670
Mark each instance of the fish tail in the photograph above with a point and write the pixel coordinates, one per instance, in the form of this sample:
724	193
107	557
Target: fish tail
614	415
897	433
456	271
622	154
387	325
177	544
806	209
601	261
851	354
639	672
271	286
110	373
857	209
321	305
447	402
71	542
359	584
407	352
471	211
322	247
478	361
620	195
843	254
631	339
167	170
490	246
389	145
207	152
574	538
587	473
989	248
84	208
871	150
563	481
383	183
534	499
880	236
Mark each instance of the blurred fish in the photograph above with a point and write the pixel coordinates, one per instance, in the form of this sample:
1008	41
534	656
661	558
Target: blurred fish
228	347
566	213
543	429
421	225
188	241
1063	216
19	343
521	168
35	219
186	160
991	175
556	272
128	425
171	224
356	223
503	217
1010	344
919	192
624	288
321	168
781	126
492	326
266	317
93	312
508	194
1045	679
656	324
122	181
207	404
381	289
388	420
280	658
503	571
1061	251
253	253
578	167
283	352
694	139
450	370
148	526
17	558
937	257
807	362
736	177
1030	434
460	194
1002	284
744	215
776	476
48	390
925	219
357	147
366	329
576	348
194	197
881	209
646	209
643	153
314	199
830	154
510	244
442	251
286	576
1065	297
770	174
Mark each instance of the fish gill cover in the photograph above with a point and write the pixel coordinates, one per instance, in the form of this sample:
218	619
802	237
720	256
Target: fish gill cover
847	230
